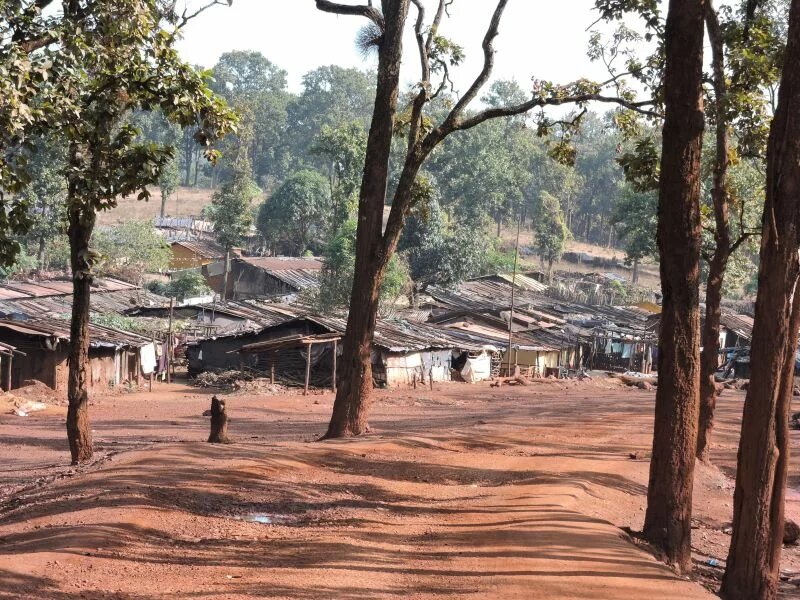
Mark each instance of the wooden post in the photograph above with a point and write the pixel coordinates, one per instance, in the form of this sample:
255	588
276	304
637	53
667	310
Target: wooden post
333	375
272	371
169	340
8	373
308	368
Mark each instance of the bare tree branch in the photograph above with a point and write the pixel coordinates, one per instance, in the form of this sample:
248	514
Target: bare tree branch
186	16
488	64
518	109
362	10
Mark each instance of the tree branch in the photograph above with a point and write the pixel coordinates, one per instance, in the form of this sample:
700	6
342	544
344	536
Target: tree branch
510	111
368	11
186	17
488	64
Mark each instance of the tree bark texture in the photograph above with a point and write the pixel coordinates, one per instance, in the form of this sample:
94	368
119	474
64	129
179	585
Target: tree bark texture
667	522
79	431
709	356
219	422
354	390
754	558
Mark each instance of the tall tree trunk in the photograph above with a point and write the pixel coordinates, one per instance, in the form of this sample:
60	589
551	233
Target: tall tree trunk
635	275
196	168
354	389
163	204
79	431
709	356
667	522
225	274
40	253
188	153
754	558
722	242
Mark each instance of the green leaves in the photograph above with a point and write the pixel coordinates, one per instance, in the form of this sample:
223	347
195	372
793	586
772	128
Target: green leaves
77	75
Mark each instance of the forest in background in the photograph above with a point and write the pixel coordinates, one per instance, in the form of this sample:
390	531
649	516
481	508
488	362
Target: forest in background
300	156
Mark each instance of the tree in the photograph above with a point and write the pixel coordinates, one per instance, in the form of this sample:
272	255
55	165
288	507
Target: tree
667	522
635	219
101	62
753	563
256	88
343	147
374	246
737	98
168	184
336	278
332	96
295	218
551	233
231	211
44	197
130	250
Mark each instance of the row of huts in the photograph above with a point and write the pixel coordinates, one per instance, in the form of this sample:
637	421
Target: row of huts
466	333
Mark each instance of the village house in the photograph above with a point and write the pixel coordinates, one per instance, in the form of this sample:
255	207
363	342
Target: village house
403	352
193	254
21	300
115	357
263	277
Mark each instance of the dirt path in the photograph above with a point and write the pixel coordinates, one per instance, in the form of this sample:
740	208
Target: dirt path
467	492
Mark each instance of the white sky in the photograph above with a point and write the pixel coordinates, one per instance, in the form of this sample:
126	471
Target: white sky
546	39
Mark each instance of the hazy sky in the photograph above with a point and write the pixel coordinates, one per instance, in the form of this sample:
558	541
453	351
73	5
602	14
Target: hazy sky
545	39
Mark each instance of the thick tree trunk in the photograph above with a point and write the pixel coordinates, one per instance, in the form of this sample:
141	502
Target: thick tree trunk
667	522
635	276
354	389
79	431
163	205
754	558
219	422
722	242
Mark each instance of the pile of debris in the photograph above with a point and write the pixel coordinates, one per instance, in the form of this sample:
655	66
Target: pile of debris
239	382
33	396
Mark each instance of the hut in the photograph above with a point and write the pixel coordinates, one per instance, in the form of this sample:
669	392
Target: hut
114	356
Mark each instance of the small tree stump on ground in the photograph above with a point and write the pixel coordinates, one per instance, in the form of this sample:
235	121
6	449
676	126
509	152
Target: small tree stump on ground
791	532
219	422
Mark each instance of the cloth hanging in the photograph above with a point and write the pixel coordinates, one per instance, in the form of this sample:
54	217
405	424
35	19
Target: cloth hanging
147	357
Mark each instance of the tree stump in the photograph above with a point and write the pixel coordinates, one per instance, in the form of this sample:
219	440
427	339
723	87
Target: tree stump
791	533
219	422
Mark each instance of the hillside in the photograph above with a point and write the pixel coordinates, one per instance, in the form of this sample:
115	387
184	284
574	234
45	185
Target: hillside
186	202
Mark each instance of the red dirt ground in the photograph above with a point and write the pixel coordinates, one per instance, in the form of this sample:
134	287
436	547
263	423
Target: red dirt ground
463	492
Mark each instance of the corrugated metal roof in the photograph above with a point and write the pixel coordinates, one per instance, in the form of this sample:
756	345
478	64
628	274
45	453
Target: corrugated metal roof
283	263
102	302
55	328
204	248
521	281
299	279
741	325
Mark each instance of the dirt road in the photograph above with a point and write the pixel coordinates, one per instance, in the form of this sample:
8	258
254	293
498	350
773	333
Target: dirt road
463	492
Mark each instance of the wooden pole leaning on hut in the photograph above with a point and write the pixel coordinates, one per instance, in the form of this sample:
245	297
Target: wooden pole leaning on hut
513	286
308	368
219	422
333	376
169	341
